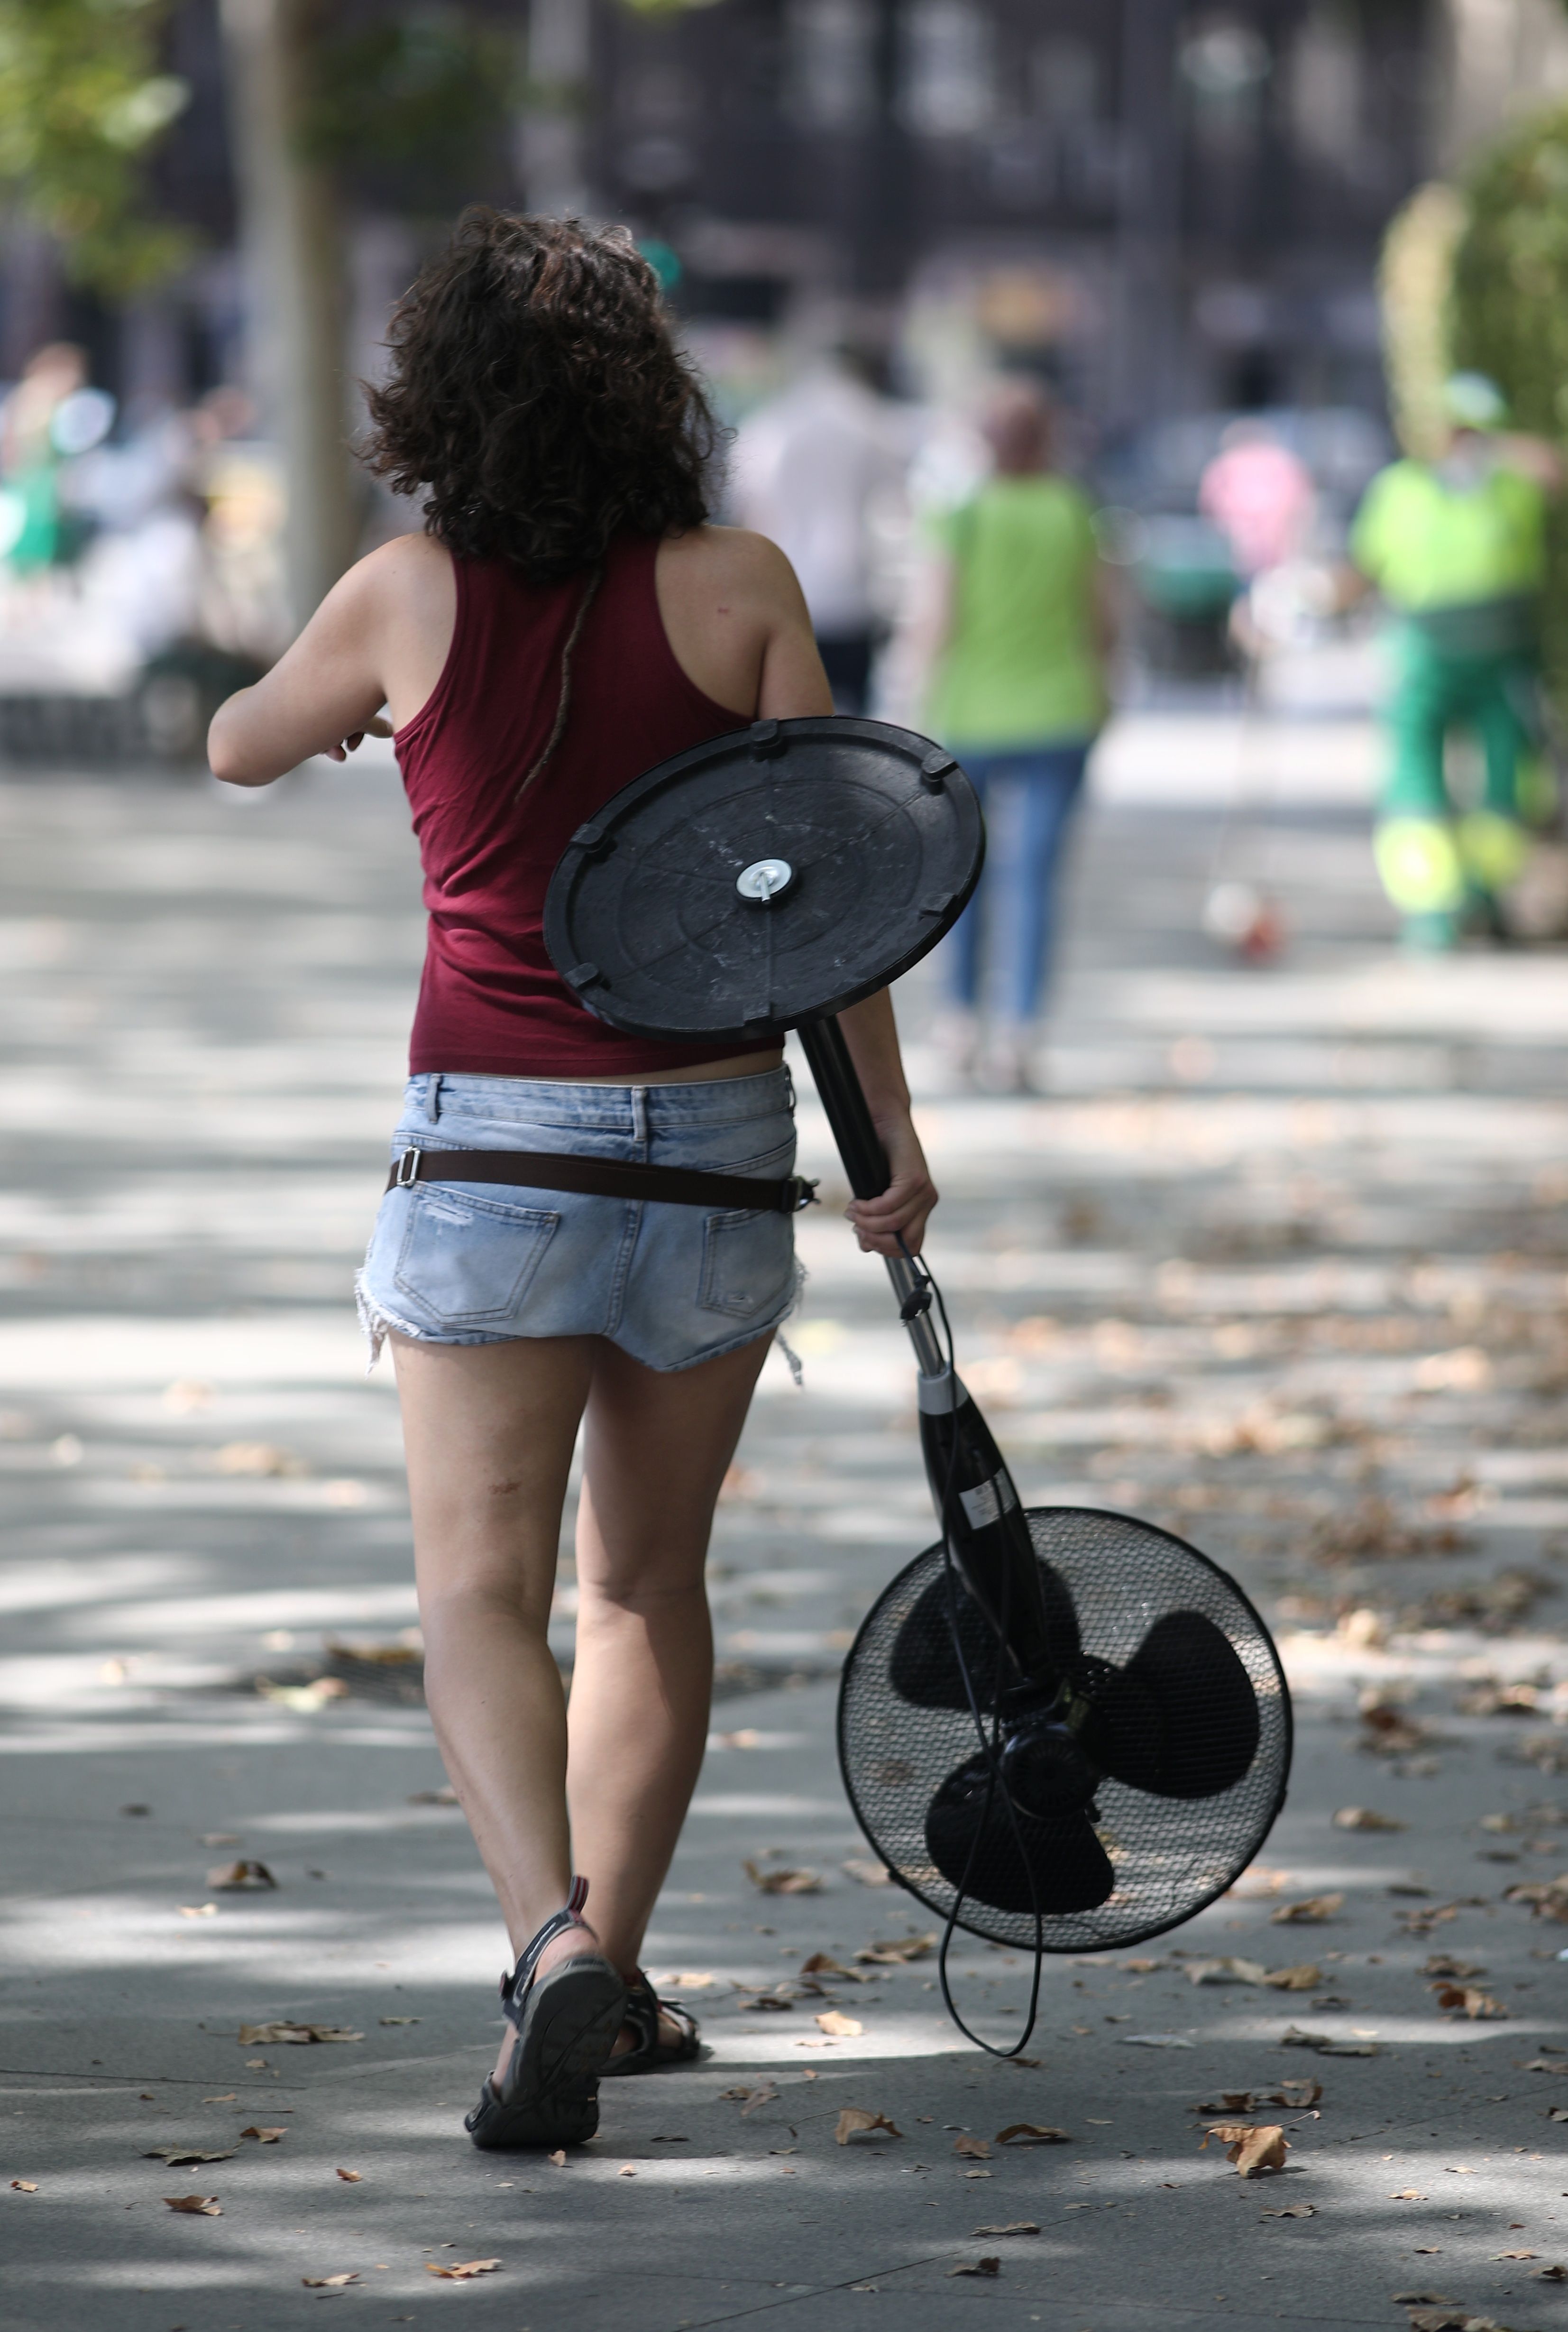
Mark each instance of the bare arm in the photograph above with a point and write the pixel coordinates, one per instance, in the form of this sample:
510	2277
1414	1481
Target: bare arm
871	1034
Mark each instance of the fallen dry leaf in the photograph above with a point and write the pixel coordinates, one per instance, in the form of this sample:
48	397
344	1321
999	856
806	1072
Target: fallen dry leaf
778	1999
264	2136
205	2206
1304	1977
783	1882
237	1876
1453	2320
1554	2113
1551	2275
462	2273
854	2121
976	2148
350	2177
1251	2147
688	1980
1292	2210
865	1874
1325	2043
304	1700
182	2157
1441	1964
627	2170
327	2282
841	2027
1473	2003
897	1951
1017	2227
1300	2094
559	2157
1032	2133
198	1910
978	2266
1310	1911
1515	2255
401	2020
1364	1817
24	2185
824	1964
1407	2194
256	1457
227	2099
266	2036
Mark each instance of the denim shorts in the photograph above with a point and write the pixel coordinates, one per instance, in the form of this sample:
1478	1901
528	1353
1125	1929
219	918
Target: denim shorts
464	1263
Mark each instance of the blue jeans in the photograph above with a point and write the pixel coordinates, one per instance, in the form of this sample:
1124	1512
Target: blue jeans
1021	881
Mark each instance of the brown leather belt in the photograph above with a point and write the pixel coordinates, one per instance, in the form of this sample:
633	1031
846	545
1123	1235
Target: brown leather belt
602	1178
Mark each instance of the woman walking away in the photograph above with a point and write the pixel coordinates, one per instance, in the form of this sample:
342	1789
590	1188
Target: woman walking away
567	618
1013	630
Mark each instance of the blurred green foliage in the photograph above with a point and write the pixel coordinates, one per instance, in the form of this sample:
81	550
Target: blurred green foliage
427	92
83	102
1508	314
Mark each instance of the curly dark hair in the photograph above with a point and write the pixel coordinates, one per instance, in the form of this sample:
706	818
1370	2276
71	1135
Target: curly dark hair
537	397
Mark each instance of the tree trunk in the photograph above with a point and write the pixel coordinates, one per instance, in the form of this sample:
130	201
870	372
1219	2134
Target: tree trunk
293	244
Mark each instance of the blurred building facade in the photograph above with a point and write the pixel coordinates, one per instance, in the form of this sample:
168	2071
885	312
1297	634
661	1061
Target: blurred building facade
1168	206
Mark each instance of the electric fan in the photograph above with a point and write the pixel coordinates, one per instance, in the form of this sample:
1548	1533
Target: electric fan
1059	1728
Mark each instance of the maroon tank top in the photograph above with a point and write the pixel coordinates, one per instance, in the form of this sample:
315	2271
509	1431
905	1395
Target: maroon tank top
491	1002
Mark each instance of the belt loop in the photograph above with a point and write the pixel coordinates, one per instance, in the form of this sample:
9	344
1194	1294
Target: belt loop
432	1100
640	1114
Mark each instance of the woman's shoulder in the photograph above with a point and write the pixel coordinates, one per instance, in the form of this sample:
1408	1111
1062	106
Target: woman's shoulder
726	554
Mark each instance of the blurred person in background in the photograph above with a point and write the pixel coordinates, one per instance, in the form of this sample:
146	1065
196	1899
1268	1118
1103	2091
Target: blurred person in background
1011	625
1456	547
30	457
808	471
1259	495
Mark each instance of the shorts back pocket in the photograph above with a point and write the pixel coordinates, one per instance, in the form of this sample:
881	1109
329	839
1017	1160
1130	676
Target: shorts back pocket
747	1262
466	1260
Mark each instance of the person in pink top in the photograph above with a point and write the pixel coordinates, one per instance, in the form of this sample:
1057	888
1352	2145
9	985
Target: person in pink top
1259	495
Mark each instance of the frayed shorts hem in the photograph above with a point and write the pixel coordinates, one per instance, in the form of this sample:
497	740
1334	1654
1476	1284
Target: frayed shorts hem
379	1323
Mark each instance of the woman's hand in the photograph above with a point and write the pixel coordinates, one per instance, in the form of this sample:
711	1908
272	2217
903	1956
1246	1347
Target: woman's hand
376	728
900	1212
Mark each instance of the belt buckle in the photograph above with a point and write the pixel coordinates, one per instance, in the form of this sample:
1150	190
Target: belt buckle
801	1194
405	1174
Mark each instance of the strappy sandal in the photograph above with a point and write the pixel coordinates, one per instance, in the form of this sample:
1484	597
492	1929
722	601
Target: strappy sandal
567	2022
649	2053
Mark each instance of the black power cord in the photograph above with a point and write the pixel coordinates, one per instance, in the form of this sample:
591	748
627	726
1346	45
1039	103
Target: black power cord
989	1742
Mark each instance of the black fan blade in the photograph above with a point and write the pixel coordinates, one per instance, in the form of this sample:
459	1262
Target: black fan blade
1180	1719
1061	1866
924	1670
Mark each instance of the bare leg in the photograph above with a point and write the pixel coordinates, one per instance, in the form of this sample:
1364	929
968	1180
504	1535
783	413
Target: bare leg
489	1431
656	1450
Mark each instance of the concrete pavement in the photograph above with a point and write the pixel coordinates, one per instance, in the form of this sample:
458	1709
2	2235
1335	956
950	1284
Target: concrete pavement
1280	1261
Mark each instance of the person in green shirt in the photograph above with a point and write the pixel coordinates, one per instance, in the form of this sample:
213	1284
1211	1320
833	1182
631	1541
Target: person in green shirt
1015	641
1456	547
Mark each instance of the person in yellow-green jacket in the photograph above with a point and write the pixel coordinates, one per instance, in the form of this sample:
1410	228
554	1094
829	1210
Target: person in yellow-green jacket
1456	549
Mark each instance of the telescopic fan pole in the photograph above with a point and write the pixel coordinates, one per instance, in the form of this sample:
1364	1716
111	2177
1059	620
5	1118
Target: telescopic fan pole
976	1503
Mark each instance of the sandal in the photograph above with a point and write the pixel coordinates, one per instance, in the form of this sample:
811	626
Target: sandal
567	2022
648	2053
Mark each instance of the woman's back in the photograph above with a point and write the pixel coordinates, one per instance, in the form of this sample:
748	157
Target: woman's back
552	696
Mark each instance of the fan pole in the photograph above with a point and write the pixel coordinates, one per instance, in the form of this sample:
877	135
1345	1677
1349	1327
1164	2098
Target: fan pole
972	1490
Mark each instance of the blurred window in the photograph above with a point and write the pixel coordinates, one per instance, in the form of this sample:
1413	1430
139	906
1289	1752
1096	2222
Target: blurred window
831	79
948	78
